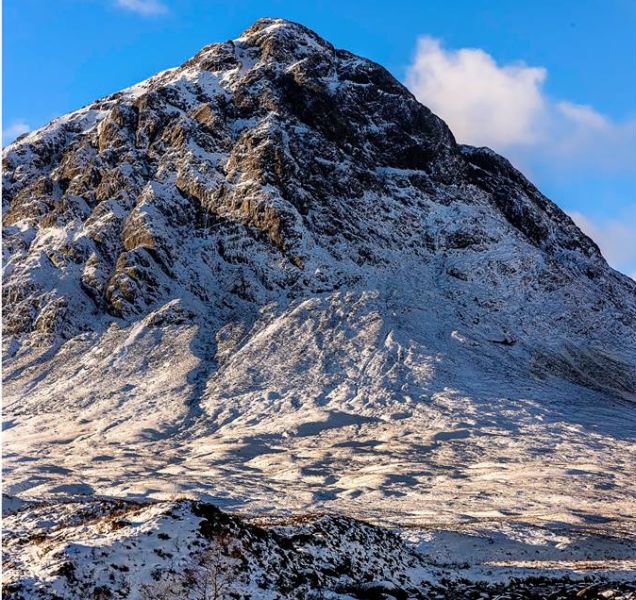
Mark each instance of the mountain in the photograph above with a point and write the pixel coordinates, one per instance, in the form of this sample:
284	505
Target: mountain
271	279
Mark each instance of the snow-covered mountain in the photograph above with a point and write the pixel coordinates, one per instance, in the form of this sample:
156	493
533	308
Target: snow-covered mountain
272	279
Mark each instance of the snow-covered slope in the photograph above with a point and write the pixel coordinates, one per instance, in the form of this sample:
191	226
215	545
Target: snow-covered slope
102	548
272	279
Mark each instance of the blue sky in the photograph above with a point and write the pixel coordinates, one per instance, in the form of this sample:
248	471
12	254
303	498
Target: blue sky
551	85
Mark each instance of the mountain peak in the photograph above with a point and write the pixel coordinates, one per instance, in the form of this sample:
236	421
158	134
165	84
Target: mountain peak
276	27
277	41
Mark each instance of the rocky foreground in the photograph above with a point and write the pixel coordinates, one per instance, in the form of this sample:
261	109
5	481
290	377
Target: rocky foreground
106	548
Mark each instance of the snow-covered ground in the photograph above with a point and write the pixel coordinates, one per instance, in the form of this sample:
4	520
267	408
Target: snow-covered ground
358	418
535	482
108	548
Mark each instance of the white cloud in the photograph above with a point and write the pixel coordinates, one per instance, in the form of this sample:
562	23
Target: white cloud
615	237
14	130
581	136
505	107
482	102
143	7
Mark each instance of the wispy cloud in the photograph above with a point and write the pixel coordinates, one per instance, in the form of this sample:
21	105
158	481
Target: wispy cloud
146	8
15	129
615	237
505	107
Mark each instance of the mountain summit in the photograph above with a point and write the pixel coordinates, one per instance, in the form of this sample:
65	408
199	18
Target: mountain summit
270	276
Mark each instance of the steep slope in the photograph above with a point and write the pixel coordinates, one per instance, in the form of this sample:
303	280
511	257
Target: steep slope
271	277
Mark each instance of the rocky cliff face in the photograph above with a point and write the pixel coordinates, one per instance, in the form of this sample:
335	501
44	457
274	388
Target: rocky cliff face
276	245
